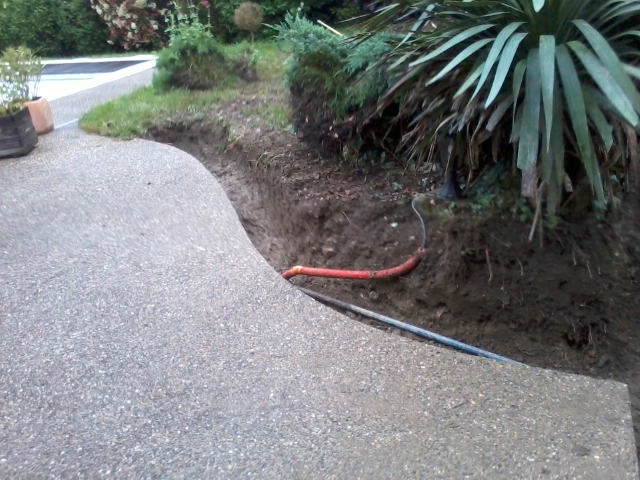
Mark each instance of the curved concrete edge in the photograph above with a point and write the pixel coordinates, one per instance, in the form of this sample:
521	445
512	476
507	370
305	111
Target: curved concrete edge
142	335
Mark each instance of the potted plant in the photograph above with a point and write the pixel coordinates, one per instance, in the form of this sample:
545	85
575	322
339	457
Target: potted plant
31	70
18	135
39	107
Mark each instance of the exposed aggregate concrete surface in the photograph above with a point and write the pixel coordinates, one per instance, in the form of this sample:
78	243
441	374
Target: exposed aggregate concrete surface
143	336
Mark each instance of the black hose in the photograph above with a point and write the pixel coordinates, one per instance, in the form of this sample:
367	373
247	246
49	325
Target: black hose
449	342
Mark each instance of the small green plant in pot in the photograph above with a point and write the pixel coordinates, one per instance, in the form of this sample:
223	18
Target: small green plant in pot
20	73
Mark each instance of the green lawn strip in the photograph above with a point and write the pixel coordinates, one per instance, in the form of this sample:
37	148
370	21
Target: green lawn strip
131	115
276	114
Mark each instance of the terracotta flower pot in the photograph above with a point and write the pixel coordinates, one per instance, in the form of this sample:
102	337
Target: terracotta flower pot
17	134
41	114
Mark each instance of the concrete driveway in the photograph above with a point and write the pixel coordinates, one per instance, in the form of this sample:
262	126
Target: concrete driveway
142	336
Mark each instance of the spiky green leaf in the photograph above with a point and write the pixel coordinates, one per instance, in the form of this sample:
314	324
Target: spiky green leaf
538	5
610	60
504	66
518	77
553	157
499	112
470	80
529	142
605	130
572	89
461	57
607	82
548	73
632	70
494	53
457	39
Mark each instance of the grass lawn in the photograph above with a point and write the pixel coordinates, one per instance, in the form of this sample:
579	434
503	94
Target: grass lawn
129	116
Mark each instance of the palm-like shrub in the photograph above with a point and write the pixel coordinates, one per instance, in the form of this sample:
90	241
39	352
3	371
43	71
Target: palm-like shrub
554	77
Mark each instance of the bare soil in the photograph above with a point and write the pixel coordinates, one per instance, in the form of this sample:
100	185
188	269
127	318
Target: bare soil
570	304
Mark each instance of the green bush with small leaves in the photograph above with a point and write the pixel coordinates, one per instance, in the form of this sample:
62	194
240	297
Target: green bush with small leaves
329	93
193	59
322	62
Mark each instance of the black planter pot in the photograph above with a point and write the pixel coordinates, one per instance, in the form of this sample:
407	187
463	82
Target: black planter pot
17	134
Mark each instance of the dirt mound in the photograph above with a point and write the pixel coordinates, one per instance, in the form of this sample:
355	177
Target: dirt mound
570	304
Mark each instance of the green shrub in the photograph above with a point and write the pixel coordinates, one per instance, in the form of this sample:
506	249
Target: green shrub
324	74
53	27
32	23
323	62
82	31
193	59
317	59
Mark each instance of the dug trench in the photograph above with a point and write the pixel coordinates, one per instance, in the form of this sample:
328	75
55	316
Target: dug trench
569	304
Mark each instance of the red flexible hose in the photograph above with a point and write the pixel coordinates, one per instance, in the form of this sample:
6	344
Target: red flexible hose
405	268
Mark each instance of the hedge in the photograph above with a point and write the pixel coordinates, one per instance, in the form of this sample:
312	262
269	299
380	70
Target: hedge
53	28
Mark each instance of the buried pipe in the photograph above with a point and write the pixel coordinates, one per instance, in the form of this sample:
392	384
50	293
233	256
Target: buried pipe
394	272
449	342
405	268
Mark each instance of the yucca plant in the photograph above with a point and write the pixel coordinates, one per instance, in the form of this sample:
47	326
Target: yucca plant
556	75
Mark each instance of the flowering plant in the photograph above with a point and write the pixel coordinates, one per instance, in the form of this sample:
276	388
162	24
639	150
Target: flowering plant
133	23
